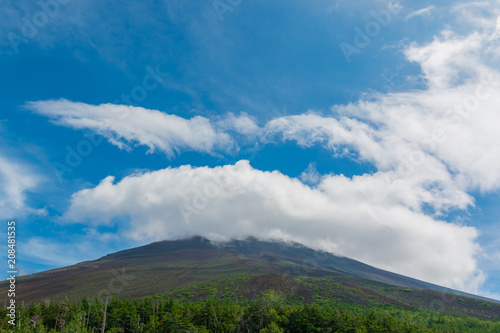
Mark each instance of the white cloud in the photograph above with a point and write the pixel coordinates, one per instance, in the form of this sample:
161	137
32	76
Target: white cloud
476	14
450	59
60	252
16	180
51	253
242	124
310	175
358	217
437	144
421	12
123	125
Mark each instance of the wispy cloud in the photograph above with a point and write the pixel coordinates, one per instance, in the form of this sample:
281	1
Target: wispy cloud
310	175
57	252
421	12
51	253
17	180
127	125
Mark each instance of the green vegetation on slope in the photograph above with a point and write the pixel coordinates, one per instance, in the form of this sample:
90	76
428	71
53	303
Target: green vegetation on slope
348	289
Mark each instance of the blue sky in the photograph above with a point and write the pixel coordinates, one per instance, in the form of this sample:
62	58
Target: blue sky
366	129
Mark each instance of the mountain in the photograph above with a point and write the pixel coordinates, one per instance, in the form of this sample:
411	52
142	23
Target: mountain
243	269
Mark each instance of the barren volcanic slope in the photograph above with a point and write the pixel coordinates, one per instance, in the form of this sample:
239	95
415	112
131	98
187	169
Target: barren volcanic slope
196	268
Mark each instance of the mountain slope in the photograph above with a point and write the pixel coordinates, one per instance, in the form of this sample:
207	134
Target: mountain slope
196	268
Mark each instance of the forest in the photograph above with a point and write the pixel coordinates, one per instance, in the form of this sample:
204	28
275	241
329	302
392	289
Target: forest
167	314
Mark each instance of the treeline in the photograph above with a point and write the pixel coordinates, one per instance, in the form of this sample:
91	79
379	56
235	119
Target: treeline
165	314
